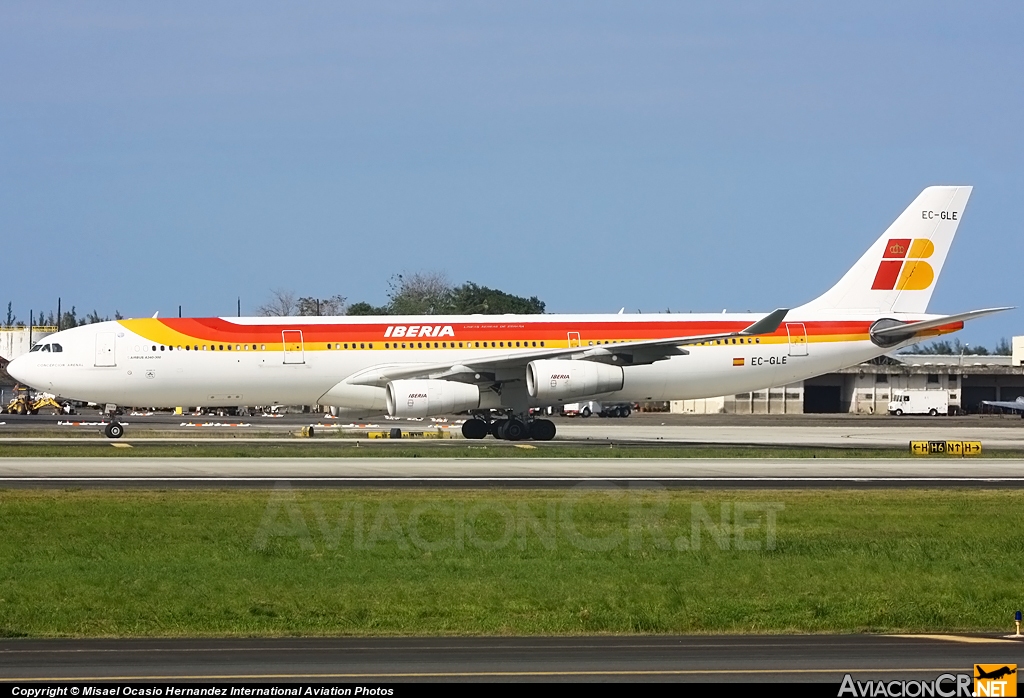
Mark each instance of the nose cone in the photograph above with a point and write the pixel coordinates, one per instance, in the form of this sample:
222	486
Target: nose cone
24	370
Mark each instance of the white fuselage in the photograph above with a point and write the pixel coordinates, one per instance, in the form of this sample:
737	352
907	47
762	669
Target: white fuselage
291	361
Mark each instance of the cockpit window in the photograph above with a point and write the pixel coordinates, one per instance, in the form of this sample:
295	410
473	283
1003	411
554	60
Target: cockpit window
46	347
57	347
36	348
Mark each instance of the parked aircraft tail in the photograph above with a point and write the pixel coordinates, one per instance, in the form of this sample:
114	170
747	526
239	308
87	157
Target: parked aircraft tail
898	272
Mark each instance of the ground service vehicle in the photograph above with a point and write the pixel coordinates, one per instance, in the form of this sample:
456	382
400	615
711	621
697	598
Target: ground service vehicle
930	402
499	367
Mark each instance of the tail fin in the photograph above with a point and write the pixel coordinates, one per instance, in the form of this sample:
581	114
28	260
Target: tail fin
898	273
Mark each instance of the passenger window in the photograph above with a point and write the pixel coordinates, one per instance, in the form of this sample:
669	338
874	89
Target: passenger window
346	345
220	347
162	347
460	345
186	347
517	344
534	344
542	343
435	345
478	345
492	344
263	347
387	345
419	345
371	345
362	346
328	346
154	347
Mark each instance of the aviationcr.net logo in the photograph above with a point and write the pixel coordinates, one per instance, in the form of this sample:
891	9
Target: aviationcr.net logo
903	267
995	680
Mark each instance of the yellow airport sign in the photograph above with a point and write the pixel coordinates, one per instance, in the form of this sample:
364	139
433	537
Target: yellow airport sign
945	448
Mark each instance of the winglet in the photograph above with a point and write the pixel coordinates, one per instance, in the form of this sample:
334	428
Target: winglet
768	324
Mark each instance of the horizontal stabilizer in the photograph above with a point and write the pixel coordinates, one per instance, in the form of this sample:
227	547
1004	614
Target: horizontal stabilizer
911	329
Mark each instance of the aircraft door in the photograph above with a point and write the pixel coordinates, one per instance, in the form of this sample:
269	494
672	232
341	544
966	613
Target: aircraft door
797	332
574	339
293	349
105	355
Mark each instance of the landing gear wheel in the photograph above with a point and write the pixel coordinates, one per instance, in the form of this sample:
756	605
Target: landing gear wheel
542	430
514	430
498	428
113	430
475	429
626	411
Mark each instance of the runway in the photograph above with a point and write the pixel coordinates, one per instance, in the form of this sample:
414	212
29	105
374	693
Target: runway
514	472
854	436
994	431
746	658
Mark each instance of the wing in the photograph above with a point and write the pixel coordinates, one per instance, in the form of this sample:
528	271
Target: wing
509	366
1016	406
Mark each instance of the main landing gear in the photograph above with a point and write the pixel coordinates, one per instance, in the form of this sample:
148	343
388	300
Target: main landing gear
113	430
509	429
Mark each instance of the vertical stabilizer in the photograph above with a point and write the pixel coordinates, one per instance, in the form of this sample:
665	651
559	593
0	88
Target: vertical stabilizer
898	273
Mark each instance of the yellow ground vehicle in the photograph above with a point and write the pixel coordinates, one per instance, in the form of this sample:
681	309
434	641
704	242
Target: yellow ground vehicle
24	403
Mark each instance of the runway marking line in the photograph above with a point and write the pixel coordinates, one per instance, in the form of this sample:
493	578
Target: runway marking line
471	674
486	478
957	638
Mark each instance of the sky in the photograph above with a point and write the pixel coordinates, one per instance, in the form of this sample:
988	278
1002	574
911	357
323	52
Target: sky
599	155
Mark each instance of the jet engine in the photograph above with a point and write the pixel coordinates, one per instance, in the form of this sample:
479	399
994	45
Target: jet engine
423	398
555	380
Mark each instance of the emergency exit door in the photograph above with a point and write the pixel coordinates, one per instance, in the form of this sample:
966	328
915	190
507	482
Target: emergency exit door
293	350
797	338
574	339
105	354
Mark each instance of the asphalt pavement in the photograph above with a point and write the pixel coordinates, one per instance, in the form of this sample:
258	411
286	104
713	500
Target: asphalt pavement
747	658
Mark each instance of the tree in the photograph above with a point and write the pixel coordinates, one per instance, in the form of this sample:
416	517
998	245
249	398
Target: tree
11	317
430	293
1003	348
282	303
944	347
423	293
335	305
469	298
364	308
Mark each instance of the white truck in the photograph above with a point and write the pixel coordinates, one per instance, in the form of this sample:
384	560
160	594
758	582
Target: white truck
931	402
585	409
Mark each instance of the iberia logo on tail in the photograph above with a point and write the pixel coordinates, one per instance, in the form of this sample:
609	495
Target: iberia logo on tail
903	267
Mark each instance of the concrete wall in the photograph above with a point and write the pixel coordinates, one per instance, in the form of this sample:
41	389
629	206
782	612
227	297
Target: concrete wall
1017	351
14	341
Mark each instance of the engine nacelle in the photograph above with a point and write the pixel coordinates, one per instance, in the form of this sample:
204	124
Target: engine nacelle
554	379
423	398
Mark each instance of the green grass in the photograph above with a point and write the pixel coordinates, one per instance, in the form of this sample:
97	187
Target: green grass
327	562
443	449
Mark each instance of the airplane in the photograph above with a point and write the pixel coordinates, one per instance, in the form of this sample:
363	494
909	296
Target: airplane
499	367
995	673
1014	406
